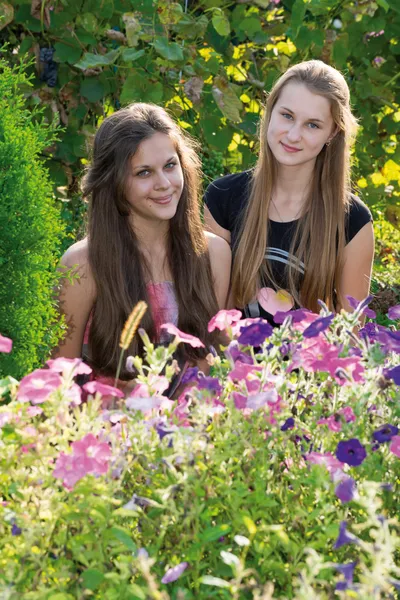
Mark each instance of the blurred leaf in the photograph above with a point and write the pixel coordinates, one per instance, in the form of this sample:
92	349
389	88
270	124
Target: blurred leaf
6	14
130	54
216	581
90	61
221	24
67	53
123	536
92	578
93	89
169	50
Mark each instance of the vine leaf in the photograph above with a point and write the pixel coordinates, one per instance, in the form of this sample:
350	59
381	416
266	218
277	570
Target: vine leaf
132	28
226	99
169	50
90	61
221	24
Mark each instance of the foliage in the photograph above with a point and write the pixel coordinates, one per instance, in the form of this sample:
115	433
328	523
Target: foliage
30	230
210	64
275	477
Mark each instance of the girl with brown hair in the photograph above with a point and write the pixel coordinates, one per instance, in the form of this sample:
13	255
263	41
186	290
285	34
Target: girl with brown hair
297	233
145	242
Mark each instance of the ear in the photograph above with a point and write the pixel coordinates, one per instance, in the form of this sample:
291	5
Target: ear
333	134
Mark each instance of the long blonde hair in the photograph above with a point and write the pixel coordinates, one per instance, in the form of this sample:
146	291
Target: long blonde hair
319	239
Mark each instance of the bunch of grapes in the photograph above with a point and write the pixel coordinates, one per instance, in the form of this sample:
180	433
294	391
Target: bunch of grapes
213	165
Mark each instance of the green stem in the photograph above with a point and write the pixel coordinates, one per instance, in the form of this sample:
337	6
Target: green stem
119	367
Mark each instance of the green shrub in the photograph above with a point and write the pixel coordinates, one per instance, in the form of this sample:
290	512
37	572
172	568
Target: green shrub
30	229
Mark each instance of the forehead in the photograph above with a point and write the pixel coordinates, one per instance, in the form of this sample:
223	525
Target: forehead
157	148
303	102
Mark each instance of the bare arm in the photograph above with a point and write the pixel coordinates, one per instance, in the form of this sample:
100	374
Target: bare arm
220	258
212	226
357	269
76	299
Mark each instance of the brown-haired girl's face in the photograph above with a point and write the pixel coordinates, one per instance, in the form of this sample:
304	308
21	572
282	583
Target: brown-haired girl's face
154	180
301	123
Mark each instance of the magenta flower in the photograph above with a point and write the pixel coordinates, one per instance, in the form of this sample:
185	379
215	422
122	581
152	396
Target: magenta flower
96	387
224	319
242	371
297	315
345	490
38	385
5	417
255	333
395	445
266	398
68	365
180	336
174	573
394	312
5	344
333	422
318	356
344	536
362	306
70	469
332	464
94	454
351	452
319	325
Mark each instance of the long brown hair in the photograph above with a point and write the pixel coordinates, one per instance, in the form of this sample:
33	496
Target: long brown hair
118	266
319	239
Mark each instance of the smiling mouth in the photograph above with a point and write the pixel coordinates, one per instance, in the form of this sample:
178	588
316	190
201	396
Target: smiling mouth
290	148
163	200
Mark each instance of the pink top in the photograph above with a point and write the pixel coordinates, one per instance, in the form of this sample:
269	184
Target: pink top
164	308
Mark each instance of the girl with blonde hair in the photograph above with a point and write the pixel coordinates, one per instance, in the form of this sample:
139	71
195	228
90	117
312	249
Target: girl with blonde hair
297	232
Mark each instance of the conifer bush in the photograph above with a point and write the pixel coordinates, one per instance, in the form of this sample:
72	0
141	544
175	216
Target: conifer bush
30	230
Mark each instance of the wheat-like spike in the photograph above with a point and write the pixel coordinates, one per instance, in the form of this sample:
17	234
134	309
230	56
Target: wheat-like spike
131	324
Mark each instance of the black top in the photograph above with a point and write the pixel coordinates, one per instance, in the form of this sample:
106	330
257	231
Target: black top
226	199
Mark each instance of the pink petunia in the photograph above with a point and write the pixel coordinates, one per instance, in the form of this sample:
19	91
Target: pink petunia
5	417
243	370
67	366
395	445
5	344
94	454
33	411
180	336
224	319
146	405
332	464
333	422
96	387
70	469
38	385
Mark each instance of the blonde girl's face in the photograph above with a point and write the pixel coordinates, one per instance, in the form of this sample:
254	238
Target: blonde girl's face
155	180
301	123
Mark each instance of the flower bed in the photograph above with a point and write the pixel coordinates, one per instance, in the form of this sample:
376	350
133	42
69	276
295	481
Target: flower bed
276	476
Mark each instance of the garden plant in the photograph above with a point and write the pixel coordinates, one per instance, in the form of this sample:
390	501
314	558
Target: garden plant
276	476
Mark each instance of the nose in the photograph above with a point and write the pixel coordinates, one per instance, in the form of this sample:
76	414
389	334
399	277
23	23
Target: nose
294	133
161	181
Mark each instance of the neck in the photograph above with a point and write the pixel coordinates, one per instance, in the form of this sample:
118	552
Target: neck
293	182
150	234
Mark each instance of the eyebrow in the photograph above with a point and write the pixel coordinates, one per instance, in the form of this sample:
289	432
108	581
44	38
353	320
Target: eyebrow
310	119
150	167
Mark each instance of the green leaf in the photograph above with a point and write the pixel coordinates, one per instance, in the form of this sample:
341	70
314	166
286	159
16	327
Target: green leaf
298	13
92	89
216	581
340	50
6	14
66	53
90	61
211	534
250	25
92	578
123	536
221	24
226	99
131	54
383	4
169	50
88	21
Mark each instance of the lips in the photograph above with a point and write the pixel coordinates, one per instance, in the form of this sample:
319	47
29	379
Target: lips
163	199
290	148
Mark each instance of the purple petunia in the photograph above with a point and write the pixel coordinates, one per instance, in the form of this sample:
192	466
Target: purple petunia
288	424
345	490
255	333
351	452
394	312
211	384
385	433
344	536
347	570
191	374
15	530
362	307
389	339
393	374
297	315
174	573
319	325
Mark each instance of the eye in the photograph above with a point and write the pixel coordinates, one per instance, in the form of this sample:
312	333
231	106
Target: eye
286	116
313	126
143	173
170	165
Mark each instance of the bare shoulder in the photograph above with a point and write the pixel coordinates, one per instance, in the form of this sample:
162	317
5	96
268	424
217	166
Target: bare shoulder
77	257
217	245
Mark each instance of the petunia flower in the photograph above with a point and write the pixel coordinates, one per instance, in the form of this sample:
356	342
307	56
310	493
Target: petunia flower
297	315
288	424
67	366
5	344
347	570
224	319
394	312
346	489
395	445
96	387
332	464
362	306
319	325
385	433
393	374
15	530
174	573
38	385
344	536
70	469
389	339
351	452
243	371
180	336
255	334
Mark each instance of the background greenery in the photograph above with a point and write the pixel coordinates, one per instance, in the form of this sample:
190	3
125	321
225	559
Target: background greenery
210	62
